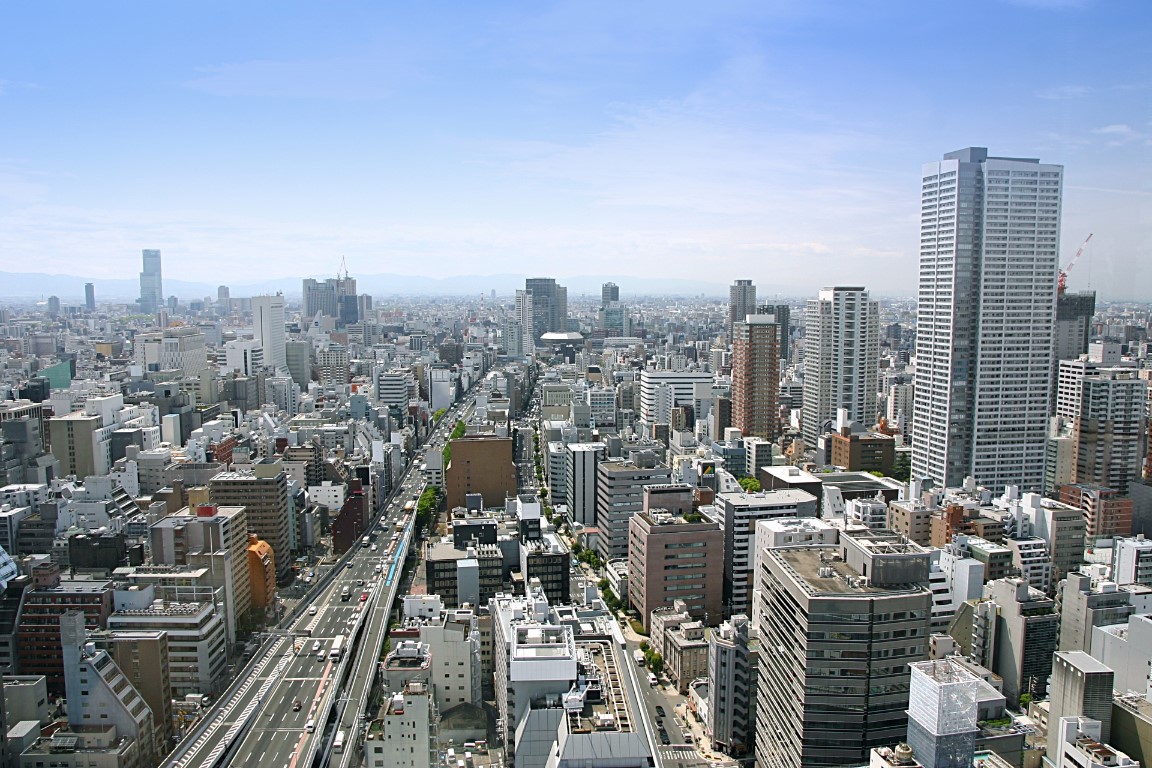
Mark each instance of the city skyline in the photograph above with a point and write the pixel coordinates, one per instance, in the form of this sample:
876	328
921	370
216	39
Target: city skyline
771	138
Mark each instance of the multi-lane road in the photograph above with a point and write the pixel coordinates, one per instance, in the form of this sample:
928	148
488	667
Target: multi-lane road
295	695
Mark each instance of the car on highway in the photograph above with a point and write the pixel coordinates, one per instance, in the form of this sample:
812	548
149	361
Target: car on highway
315	646
311	610
659	711
363	596
296	705
664	738
378	569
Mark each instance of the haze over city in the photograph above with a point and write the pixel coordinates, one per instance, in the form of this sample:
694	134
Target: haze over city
781	140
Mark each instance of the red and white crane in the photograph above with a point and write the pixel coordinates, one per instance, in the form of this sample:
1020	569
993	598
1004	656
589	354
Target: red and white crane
1062	281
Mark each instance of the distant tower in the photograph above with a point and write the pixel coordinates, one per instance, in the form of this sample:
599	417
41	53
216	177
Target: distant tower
741	302
223	295
841	359
151	283
54	306
609	292
90	297
549	306
989	235
756	376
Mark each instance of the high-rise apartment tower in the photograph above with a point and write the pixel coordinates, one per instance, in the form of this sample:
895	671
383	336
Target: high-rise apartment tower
841	359
989	233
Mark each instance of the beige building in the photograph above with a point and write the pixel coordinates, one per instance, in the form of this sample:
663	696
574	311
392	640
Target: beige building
263	491
685	654
480	464
673	557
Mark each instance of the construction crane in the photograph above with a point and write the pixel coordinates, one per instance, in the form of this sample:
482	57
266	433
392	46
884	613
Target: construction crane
1062	281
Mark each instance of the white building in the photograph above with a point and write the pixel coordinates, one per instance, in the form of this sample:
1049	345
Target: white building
245	356
737	514
268	327
679	388
841	359
580	480
989	239
197	641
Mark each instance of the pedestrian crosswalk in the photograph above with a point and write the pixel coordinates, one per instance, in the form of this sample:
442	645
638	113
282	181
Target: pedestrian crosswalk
680	753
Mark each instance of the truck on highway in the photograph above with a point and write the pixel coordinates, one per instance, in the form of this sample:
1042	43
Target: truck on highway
366	542
346	592
638	655
338	743
337	651
409	506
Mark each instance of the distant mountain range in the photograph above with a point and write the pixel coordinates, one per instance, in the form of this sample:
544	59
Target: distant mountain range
70	289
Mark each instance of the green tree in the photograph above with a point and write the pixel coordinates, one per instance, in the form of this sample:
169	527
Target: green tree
749	484
656	663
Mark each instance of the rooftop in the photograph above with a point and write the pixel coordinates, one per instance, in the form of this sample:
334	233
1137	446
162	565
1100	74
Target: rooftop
822	571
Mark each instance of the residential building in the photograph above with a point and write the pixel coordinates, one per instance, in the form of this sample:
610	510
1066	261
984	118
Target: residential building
741	303
581	461
841	360
1085	604
737	514
263	492
1106	514
733	657
756	376
620	492
99	693
989	242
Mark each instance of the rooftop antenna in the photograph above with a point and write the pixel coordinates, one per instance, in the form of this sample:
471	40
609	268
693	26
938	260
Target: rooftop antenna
344	266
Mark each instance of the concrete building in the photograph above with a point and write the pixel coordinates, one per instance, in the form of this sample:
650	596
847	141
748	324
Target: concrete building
1081	687
38	645
808	713
733	657
548	306
673	557
263	492
214	538
841	360
403	735
1106	514
685	654
1109	424
989	242
621	487
197	642
581	467
1021	635
942	714
480	464
98	691
268	327
1132	561
737	514
1085	604
143	658
663	390
756	376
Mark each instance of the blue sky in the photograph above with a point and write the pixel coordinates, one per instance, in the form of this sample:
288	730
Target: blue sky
771	139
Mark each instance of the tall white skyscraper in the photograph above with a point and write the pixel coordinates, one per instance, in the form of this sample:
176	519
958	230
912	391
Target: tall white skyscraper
841	359
989	233
268	328
151	282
